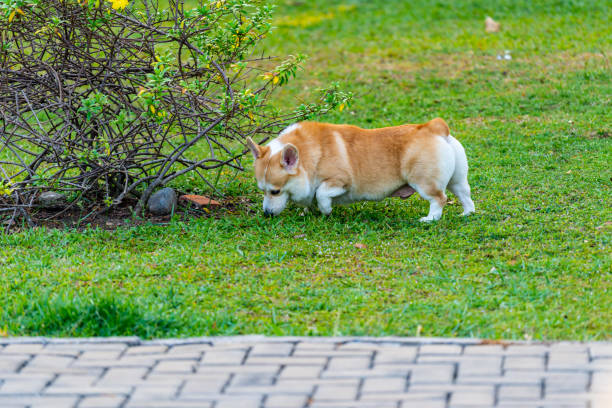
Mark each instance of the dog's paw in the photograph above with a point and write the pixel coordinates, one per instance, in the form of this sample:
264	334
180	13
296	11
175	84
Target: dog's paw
427	219
466	213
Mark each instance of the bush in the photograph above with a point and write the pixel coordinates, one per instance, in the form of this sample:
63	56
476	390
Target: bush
106	100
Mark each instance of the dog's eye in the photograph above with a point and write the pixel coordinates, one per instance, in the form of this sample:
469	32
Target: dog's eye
274	192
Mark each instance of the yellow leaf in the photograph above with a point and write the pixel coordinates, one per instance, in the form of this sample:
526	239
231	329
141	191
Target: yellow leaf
12	16
251	115
152	109
341	107
20	11
275	80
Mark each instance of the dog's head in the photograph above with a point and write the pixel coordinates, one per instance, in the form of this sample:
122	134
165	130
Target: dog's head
276	170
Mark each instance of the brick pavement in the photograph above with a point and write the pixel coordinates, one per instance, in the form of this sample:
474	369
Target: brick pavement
263	372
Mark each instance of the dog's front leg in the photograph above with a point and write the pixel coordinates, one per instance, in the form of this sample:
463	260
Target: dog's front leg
325	192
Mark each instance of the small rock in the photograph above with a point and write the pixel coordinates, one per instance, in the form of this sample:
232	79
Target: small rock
198	200
52	200
491	26
162	202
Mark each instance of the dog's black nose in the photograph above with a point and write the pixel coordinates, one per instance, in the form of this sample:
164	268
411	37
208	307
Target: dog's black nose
268	213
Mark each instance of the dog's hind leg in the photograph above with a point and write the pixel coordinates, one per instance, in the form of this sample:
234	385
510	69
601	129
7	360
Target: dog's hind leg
437	201
458	184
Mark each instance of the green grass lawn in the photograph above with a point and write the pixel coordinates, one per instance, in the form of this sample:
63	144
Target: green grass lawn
533	262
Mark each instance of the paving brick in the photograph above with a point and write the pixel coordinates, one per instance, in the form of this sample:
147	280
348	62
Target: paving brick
486	349
336	392
22	386
125	361
176	366
374	385
171	404
237	369
342	382
103	401
21	349
231	357
312	346
10	364
188	350
272	349
333	353
348	363
82	380
139	350
533	377
53	402
153	393
290	361
519	392
94	346
524	363
376	372
599	350
568	347
567	382
285	401
398	355
527	350
92	390
203	386
601	381
423	404
562	360
354	404
123	375
447	349
358	345
239	402
407	396
302	388
252	379
431	374
600	364
290	372
480	365
470	399
100	355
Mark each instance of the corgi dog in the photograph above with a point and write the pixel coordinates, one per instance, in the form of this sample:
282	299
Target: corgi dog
340	164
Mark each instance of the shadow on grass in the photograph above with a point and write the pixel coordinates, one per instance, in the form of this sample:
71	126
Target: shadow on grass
102	314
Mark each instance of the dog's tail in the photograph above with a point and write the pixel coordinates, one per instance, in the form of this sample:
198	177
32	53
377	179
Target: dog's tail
438	127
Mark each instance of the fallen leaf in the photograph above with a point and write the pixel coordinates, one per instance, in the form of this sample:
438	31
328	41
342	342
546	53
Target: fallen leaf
199	200
491	26
360	246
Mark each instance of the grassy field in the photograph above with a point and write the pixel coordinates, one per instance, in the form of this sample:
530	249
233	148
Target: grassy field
533	262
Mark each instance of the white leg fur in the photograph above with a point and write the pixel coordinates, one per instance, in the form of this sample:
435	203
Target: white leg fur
458	184
435	211
325	193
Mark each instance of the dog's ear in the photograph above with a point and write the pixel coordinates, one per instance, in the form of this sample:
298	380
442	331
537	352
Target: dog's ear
254	148
290	158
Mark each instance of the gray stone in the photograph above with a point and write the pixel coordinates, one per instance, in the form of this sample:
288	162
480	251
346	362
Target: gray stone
52	200
162	202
